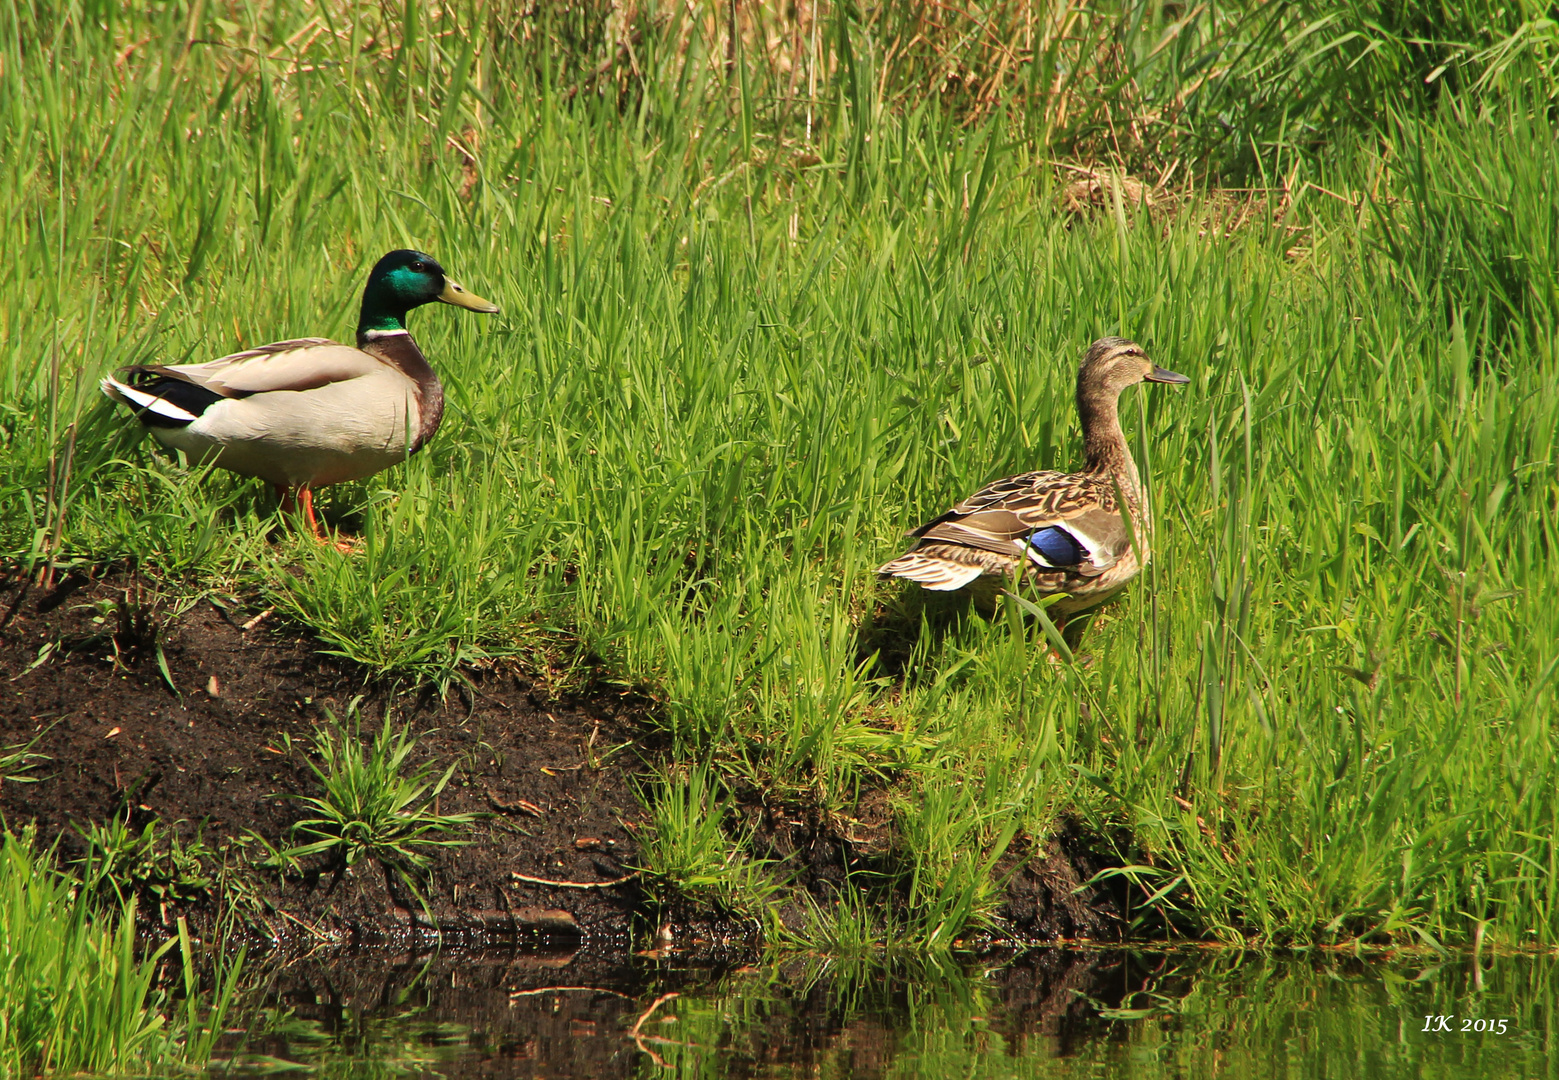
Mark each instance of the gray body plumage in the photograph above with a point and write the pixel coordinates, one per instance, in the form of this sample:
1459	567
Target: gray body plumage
302	413
310	412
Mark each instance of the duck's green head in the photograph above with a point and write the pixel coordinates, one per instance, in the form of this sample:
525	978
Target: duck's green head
406	279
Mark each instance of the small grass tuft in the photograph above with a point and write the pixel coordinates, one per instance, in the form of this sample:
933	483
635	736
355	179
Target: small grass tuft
372	804
849	926
152	862
688	854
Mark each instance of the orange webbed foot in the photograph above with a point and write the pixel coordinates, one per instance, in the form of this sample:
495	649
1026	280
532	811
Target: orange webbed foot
300	500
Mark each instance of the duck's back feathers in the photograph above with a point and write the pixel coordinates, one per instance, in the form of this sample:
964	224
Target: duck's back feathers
945	567
173	395
1057	520
1064	530
301	364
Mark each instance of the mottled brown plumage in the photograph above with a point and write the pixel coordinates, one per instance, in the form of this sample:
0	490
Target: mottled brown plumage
1070	533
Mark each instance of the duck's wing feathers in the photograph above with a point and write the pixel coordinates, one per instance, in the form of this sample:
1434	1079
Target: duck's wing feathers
304	364
172	395
1058	521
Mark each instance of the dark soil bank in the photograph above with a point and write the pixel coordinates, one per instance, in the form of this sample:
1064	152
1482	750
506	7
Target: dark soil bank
201	724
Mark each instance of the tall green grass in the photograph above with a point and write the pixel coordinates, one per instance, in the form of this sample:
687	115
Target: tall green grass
78	995
744	348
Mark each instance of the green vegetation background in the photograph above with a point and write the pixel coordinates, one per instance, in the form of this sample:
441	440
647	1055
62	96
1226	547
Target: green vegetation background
779	284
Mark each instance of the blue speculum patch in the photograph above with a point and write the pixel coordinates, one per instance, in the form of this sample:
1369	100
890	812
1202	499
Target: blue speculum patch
1057	546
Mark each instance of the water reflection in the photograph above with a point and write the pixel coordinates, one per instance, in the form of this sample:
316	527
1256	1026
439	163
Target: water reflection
1051	1014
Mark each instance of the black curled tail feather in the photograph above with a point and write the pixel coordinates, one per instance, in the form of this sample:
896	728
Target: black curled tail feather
159	400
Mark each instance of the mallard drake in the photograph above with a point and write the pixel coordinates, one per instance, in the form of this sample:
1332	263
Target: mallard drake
1065	530
310	412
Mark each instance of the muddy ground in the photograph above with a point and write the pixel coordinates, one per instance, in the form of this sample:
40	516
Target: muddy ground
201	724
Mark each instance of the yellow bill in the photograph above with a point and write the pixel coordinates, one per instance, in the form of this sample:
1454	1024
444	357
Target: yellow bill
457	294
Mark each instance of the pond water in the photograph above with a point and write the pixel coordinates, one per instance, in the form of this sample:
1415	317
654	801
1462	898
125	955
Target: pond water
1097	1014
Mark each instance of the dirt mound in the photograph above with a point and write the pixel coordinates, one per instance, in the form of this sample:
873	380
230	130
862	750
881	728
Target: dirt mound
200	725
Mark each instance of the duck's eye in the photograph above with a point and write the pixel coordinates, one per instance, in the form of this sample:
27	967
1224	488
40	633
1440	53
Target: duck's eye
420	267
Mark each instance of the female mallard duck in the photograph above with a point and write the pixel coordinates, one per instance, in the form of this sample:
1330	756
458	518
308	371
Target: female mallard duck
306	413
1066	530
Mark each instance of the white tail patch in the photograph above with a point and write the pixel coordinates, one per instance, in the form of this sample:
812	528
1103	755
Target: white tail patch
139	399
938	575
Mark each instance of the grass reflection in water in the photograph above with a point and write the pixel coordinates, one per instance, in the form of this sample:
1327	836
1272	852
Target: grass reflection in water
1051	1014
